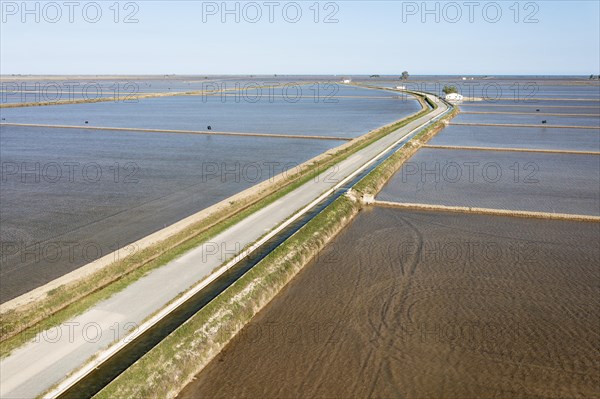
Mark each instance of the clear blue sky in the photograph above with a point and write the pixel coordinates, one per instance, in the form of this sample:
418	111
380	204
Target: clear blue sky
369	38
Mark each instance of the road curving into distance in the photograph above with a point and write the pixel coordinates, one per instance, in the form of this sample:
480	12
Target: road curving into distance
60	357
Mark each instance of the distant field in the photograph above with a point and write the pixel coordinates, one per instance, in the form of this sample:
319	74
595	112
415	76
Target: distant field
531	108
530	119
519	137
316	114
563	183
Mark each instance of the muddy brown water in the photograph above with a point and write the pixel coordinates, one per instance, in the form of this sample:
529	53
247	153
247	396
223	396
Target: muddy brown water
418	305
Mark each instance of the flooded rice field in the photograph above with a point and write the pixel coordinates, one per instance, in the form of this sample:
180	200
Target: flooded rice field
593	121
40	96
44	90
562	183
349	113
39	90
516	89
576	102
556	182
531	109
135	184
418	304
444	305
519	137
70	196
423	305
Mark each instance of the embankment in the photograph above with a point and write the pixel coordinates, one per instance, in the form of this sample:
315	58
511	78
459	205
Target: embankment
59	300
173	363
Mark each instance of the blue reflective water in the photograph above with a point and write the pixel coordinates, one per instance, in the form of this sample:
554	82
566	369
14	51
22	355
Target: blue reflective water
87	193
561	120
349	113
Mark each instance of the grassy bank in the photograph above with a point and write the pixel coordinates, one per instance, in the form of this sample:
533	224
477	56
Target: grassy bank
379	176
174	362
20	325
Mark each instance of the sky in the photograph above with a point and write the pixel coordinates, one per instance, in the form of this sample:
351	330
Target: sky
302	37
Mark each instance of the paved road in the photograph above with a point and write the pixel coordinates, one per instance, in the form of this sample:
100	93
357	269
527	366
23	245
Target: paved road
33	368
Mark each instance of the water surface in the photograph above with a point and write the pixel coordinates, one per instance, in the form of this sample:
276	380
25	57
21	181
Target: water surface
519	137
70	196
413	304
529	119
322	115
562	183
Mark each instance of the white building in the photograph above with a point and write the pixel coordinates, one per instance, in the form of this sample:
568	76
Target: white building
454	97
400	87
346	81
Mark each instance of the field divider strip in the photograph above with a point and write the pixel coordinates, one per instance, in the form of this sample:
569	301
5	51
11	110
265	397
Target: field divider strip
524	125
489	211
475	148
202	132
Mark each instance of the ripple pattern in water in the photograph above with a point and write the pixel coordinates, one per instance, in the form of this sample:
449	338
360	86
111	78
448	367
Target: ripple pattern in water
420	305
